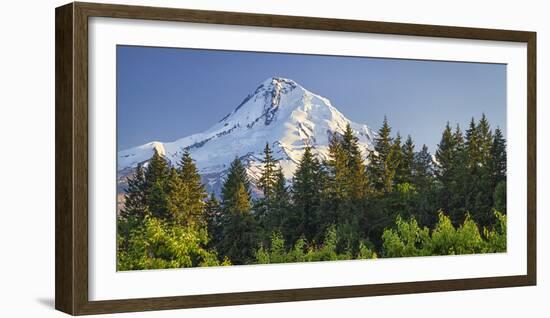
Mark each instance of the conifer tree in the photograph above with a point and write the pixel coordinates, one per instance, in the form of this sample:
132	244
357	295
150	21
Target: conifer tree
472	146
397	159
241	200
357	185
423	169
156	177
135	199
406	165
337	181
191	179
157	200
157	170
235	187
267	180
446	155
239	229
177	200
346	188
135	207
280	201
498	171
460	158
280	189
458	185
239	238
213	214
498	157
306	195
485	140
479	194
380	168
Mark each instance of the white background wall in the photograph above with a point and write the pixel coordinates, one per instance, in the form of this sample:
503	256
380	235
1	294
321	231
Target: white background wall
27	158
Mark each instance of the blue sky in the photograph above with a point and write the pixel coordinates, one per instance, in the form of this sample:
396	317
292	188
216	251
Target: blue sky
167	93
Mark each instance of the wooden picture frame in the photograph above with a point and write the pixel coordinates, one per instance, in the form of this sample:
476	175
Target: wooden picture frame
71	122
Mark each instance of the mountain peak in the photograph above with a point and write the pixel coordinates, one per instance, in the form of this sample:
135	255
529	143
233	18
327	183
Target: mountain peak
280	112
264	102
277	80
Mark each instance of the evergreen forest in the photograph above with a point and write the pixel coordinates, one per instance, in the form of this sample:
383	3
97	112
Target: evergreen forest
397	201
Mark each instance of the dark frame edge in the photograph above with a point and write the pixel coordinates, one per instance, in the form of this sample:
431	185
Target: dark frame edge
71	90
64	235
532	158
291	295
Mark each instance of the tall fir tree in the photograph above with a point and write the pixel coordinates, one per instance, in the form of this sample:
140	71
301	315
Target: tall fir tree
446	157
236	188
272	213
135	199
485	140
346	188
498	158
135	209
397	158
267	179
423	169
177	198
239	229
306	195
380	169
472	147
478	195
280	189
213	214
458	187
336	166
191	180
156	177
157	200
405	170
157	169
358	185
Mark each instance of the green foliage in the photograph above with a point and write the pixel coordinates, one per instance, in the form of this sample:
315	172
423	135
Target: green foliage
343	208
499	197
409	239
158	244
302	252
239	238
496	237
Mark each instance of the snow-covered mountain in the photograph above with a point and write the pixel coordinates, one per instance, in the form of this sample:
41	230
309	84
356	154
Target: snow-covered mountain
279	111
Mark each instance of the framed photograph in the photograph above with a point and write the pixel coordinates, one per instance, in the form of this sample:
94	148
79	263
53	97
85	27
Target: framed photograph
211	158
